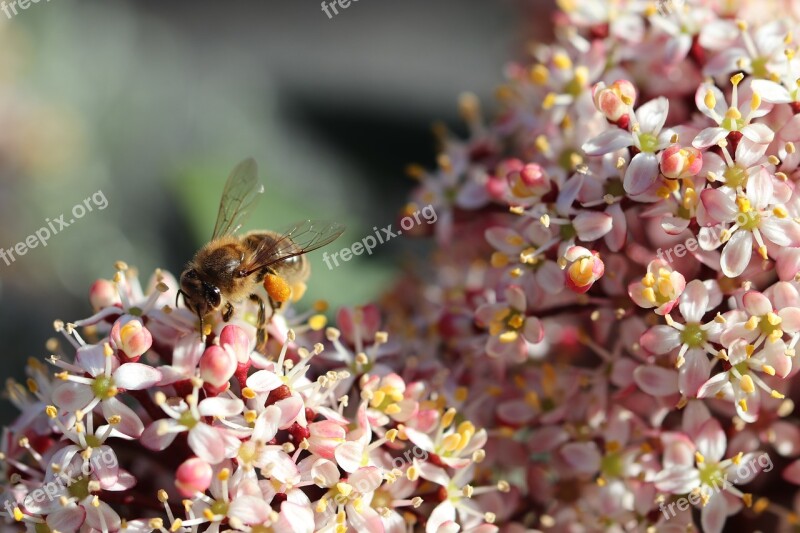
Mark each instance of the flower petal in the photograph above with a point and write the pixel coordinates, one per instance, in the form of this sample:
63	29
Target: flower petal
737	253
641	174
136	376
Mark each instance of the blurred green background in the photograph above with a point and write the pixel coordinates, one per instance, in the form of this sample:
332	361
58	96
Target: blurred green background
154	102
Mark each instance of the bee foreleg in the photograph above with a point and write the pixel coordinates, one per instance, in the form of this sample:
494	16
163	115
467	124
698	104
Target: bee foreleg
261	336
226	315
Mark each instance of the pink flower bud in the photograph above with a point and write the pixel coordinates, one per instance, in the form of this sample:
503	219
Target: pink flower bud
530	180
531	175
678	162
238	341
193	476
614	101
324	437
103	293
585	267
129	336
217	366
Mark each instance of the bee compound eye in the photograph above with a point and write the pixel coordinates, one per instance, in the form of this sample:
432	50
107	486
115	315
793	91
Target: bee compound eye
213	295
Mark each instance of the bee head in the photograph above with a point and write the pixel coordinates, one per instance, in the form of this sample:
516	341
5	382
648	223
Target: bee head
200	296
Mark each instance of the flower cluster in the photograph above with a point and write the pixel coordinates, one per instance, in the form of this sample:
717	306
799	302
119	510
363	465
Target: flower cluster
202	431
617	293
604	340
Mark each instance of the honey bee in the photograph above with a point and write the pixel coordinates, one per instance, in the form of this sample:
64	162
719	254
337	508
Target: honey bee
230	268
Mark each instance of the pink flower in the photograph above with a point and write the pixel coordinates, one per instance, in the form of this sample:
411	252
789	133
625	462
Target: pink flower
660	288
646	135
511	330
756	218
584	267
210	443
736	118
701	469
130	337
107	378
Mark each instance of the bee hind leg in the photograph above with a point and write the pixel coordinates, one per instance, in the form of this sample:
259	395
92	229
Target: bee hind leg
261	335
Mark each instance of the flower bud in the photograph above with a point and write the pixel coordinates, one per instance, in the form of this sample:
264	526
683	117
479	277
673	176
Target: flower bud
585	267
129	336
217	366
237	339
529	181
193	476
614	101
324	437
678	162
103	293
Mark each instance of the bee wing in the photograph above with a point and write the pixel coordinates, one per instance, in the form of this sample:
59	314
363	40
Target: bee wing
241	192
298	239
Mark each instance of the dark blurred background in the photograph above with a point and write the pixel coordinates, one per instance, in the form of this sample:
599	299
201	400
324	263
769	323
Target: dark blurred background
154	102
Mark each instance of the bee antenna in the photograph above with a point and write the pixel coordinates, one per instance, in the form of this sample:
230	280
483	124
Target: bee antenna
178	295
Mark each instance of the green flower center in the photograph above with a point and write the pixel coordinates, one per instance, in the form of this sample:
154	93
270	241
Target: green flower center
711	475
693	336
759	66
565	160
742	368
103	387
567	232
80	488
749	220
187	419
648	142
219	507
612	465
768	328
735	177
614	187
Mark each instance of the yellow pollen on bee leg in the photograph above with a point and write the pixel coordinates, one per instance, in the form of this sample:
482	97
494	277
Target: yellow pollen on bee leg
277	288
